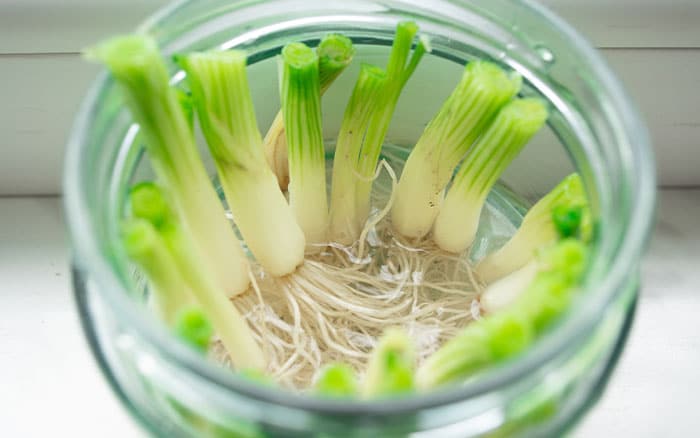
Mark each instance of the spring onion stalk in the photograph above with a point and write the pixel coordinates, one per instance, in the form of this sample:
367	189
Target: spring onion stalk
301	107
550	294
391	366
398	71
482	91
481	344
458	358
458	218
336	380
365	124
148	202
225	111
193	327
557	213
567	218
138	68
498	337
344	227
147	249
334	54
505	290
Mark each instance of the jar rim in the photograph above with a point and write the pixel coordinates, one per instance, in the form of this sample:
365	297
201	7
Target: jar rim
87	254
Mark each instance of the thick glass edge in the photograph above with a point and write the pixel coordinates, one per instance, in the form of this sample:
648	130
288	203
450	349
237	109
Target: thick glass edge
578	322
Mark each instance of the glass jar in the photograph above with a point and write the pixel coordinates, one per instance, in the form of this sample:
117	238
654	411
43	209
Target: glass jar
174	392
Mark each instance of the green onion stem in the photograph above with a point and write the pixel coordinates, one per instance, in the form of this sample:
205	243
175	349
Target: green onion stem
136	65
537	230
391	366
148	202
301	106
334	55
226	114
458	219
482	91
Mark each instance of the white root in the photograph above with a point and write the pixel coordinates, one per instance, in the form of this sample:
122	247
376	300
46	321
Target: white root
338	303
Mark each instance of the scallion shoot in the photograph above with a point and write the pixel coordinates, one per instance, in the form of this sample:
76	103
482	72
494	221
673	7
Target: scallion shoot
336	380
301	107
145	247
149	203
482	91
193	327
390	371
496	338
136	65
559	213
458	219
225	110
334	55
365	124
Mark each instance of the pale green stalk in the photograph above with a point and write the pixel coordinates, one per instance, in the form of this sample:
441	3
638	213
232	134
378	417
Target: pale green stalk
193	327
136	65
365	125
482	91
505	290
537	230
301	106
148	202
481	344
399	69
336	380
458	219
144	246
334	55
225	110
344	227
391	366
498	337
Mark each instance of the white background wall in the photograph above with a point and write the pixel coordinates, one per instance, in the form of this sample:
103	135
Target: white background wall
654	46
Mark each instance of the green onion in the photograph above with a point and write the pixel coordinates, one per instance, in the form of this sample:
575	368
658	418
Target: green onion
301	106
559	213
482	91
496	338
334	55
550	294
225	110
457	359
481	344
568	262
391	366
505	290
345	227
399	69
138	68
334	52
336	380
194	328
458	218
365	124
145	247
149	203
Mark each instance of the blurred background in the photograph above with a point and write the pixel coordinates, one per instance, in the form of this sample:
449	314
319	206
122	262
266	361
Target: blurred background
654	46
